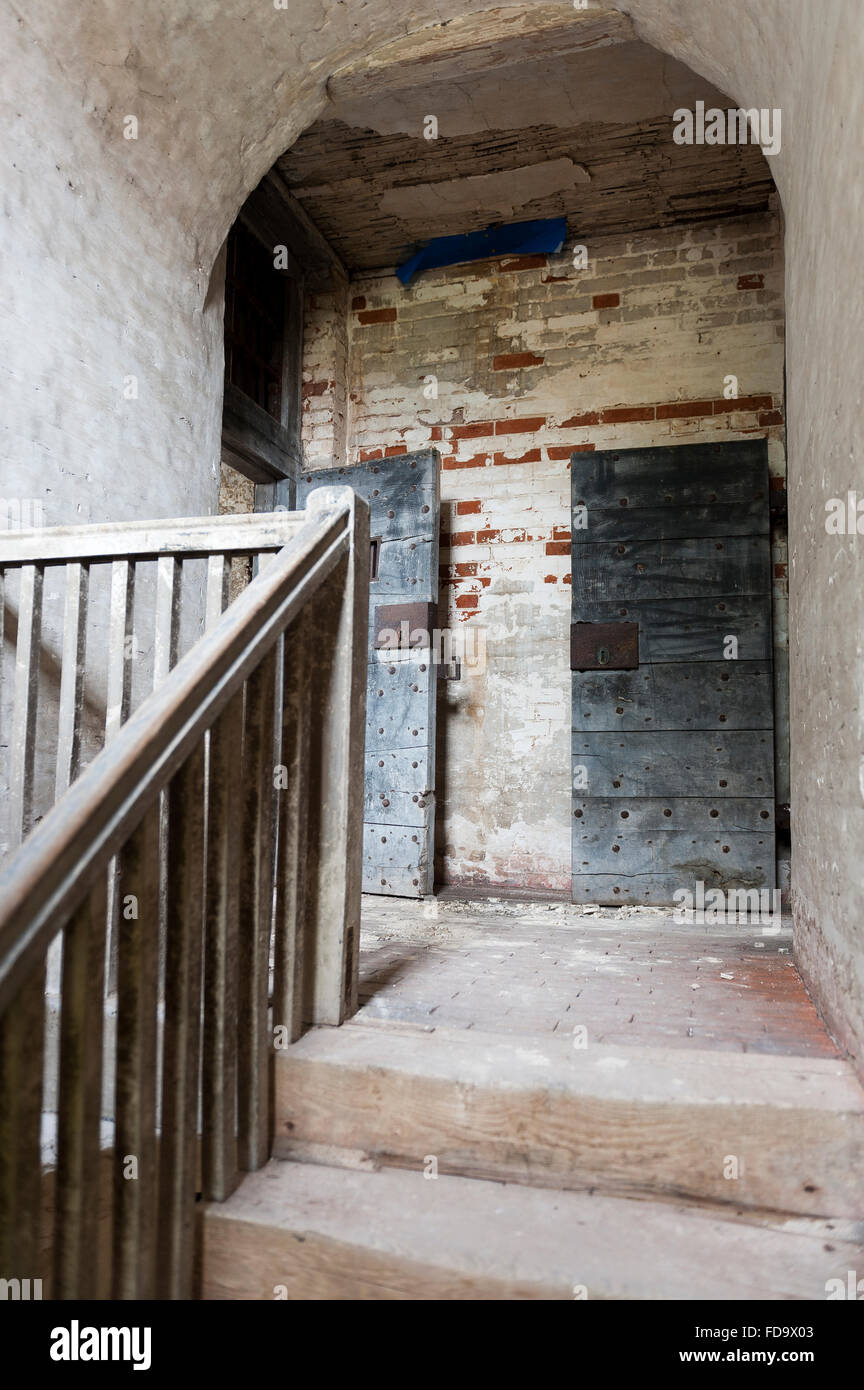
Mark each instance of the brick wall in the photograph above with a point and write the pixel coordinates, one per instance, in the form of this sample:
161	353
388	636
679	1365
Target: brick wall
532	358
325	377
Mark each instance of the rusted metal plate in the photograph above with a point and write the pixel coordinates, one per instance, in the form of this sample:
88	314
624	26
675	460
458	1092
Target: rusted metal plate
399	626
604	646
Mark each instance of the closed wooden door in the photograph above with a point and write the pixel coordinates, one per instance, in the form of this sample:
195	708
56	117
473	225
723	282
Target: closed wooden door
399	813
671	649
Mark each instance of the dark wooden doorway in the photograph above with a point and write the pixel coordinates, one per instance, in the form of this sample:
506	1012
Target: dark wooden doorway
673	713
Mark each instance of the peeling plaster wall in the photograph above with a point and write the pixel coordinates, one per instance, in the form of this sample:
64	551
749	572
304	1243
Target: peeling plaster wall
533	358
106	247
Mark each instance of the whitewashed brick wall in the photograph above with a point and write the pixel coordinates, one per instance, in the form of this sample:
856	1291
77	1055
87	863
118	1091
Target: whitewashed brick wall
535	357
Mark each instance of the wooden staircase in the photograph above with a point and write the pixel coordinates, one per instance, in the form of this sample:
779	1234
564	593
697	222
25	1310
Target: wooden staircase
427	1161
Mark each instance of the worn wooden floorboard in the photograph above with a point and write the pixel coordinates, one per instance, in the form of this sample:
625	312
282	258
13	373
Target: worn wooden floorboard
631	978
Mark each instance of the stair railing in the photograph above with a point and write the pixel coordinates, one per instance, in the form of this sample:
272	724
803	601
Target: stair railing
215	843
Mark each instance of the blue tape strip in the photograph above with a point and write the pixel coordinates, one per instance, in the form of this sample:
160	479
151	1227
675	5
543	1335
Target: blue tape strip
519	238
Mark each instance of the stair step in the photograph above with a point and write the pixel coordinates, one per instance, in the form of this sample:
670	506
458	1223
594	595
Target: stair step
625	1121
299	1231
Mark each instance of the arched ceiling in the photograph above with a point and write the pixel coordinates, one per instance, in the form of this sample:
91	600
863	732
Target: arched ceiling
534	120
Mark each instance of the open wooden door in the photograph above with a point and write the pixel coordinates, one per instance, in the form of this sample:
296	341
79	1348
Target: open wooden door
671	651
399	816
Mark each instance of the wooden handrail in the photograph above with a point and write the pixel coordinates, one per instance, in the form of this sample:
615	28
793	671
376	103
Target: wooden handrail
180	841
193	536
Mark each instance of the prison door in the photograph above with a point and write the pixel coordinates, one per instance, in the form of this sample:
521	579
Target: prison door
671	653
399	811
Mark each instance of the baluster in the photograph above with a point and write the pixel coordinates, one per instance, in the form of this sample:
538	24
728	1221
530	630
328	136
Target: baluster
134	1261
26	696
72	674
79	1109
293	803
256	910
224	831
22	1027
180	1067
117	703
22	1043
224	838
119	646
218	588
169	593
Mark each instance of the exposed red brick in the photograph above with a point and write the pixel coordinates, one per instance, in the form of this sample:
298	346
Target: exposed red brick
466	568
523	263
563	451
751	282
393	449
722	407
488	535
468	508
532	456
587	417
567	579
475	461
529	424
462	538
377	316
771	417
366	455
475	431
467	601
777	484
316	388
557	547
551	579
508	361
779	571
621	414
436	432
606	301
561	533
680	410
358	302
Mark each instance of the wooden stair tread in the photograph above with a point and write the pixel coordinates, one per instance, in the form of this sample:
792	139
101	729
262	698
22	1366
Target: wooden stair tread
304	1231
627	1121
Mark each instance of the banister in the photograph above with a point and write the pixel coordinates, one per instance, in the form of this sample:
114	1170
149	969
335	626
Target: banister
218	830
194	536
51	873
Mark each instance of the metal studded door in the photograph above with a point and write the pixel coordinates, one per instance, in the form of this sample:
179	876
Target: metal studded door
399	815
671	651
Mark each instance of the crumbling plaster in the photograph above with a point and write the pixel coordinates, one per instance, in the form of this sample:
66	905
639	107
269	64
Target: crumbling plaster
107	245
